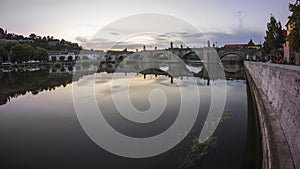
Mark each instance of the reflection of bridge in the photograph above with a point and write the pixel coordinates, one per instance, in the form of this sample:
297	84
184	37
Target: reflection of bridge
169	63
178	70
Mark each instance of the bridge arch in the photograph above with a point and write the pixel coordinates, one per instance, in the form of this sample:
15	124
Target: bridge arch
191	56
120	58
232	68
231	57
251	56
108	57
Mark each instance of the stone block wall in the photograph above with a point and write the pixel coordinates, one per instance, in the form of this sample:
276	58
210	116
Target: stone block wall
281	85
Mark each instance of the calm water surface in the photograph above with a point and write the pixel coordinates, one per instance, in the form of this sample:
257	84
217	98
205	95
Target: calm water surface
39	126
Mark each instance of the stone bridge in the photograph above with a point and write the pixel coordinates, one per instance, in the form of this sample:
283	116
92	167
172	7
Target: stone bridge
175	66
225	54
239	54
205	54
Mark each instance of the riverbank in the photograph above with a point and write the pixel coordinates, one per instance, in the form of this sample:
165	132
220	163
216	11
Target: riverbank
33	64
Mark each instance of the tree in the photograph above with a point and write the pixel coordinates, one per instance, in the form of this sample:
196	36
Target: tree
1	33
32	36
28	52
274	38
21	52
41	54
294	21
8	36
16	53
3	53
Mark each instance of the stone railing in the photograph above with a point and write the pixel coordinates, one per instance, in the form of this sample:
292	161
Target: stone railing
276	91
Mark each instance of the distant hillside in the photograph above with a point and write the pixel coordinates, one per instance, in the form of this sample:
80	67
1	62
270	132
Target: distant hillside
9	41
47	42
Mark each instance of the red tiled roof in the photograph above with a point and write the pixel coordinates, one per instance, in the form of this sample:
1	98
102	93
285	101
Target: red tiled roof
235	45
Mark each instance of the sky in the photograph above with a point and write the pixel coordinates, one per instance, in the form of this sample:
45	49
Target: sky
221	21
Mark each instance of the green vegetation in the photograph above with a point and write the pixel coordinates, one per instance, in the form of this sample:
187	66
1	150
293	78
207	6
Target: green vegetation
24	52
21	52
41	54
274	38
62	69
294	36
19	48
47	42
19	83
3	53
197	151
57	65
192	56
70	68
226	115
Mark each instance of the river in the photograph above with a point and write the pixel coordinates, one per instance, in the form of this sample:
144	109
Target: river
39	127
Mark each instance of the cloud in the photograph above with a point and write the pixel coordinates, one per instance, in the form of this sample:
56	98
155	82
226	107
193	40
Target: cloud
239	36
99	43
195	35
240	19
81	39
182	33
196	39
114	33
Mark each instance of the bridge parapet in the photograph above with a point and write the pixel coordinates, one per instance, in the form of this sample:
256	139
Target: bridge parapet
276	90
241	52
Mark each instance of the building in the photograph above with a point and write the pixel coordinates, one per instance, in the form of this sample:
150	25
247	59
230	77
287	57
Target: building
93	55
291	56
249	45
53	42
57	55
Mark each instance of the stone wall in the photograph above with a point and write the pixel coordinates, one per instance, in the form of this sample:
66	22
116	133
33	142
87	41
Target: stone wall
280	85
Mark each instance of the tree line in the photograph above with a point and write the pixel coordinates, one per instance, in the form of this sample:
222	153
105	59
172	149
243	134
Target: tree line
17	48
276	37
23	52
294	19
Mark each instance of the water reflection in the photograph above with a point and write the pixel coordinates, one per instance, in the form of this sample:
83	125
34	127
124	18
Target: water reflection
18	82
35	131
